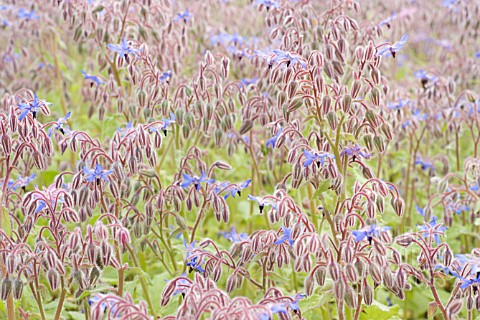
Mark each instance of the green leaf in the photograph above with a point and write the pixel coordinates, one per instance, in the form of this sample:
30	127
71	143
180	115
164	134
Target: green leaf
143	274
5	219
380	311
322	187
349	137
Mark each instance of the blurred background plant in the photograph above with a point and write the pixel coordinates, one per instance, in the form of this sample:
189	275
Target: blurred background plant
280	159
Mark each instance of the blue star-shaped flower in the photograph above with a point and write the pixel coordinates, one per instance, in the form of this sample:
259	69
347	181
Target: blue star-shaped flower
273	140
97	174
432	229
424	164
233	236
286	236
289	58
319	158
32	107
393	49
165	77
185	16
27	15
369	233
188	180
60	125
262	203
93	79
355	152
399	105
123	49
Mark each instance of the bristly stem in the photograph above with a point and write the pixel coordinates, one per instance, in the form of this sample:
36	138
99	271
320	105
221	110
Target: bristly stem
61	301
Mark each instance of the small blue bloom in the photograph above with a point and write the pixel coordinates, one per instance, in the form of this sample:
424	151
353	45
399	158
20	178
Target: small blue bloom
294	305
399	105
393	49
21	182
424	164
273	140
233	236
32	107
417	116
286	236
232	189
319	158
165	77
475	187
355	152
24	14
60	125
268	4
194	263
93	79
369	233
388	20
123	49
262	203
290	58
246	82
97	174
422	75
188	180
420	210
477	55
185	16
432	229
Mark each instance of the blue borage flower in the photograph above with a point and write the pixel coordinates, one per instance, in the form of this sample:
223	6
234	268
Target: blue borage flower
318	158
165	76
425	165
273	140
399	105
417	116
247	82
393	49
268	4
123	49
355	152
21	182
369	232
194	263
286	236
93	79
225	39
231	189
276	308
288	57
232	135
233	236
60	125
27	15
166	123
97	174
422	75
432	230
32	107
188	180
104	305
388	20
294	305
123	132
262	203
474	187
265	55
185	16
